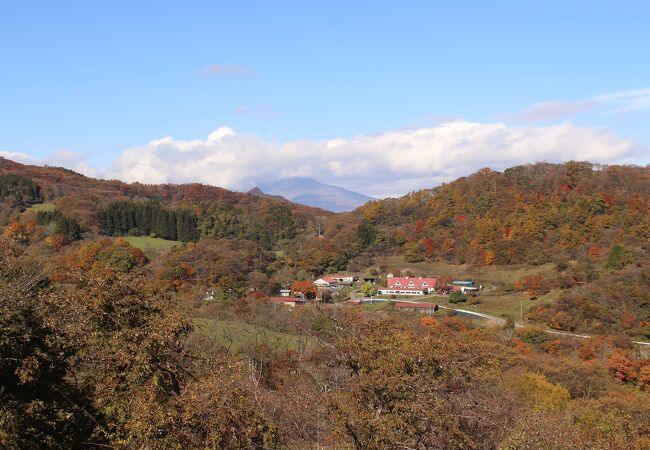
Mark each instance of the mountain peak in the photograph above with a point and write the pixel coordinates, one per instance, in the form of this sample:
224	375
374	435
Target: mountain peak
314	193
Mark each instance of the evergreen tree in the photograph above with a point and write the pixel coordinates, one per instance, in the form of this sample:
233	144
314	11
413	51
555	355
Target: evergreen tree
122	218
62	224
22	189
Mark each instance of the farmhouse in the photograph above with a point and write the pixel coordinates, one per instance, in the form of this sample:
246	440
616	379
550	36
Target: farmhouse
408	286
464	286
334	281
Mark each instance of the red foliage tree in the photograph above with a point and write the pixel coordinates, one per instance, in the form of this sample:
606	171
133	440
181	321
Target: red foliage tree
428	247
594	252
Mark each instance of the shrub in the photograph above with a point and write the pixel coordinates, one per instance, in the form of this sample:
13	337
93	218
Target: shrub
457	297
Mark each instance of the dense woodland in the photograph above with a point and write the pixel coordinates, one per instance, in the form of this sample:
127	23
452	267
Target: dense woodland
144	219
61	223
104	344
19	189
526	214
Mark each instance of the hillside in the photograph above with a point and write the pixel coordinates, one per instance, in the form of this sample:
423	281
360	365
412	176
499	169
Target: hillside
592	222
146	316
82	197
525	214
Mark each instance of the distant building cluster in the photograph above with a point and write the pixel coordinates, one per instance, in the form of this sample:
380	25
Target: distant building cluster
396	287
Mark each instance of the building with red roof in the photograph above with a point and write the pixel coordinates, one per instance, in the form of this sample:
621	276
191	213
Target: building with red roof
408	286
333	281
287	301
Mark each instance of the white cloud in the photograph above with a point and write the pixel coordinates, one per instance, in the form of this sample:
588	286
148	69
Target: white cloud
221	69
611	103
23	158
386	164
71	160
62	158
254	111
626	101
553	110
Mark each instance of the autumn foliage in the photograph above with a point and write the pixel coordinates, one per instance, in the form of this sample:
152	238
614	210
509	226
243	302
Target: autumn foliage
305	287
531	284
108	346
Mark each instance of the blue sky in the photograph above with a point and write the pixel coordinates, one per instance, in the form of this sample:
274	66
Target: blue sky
81	82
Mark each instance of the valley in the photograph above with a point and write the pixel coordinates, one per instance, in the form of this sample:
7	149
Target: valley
142	314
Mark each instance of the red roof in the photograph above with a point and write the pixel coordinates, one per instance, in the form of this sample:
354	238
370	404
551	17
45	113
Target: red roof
407	283
419	305
334	278
329	278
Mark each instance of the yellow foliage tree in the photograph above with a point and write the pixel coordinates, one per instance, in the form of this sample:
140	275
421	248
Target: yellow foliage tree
540	392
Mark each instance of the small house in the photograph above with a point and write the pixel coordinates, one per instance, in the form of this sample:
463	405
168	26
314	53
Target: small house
334	281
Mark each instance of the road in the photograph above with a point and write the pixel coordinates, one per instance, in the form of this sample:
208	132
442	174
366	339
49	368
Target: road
487	317
519	325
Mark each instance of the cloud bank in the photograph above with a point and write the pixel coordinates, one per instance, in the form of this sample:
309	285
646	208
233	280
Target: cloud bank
379	165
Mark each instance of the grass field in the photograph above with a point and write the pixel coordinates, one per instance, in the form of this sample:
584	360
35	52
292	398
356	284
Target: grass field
379	306
41	207
238	335
152	245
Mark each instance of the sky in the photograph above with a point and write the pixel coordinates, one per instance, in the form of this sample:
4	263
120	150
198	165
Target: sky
378	97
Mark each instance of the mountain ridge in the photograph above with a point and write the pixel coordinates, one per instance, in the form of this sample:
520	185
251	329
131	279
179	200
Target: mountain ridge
308	191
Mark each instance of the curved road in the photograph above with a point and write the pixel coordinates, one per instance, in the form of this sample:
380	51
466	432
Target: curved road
485	316
519	325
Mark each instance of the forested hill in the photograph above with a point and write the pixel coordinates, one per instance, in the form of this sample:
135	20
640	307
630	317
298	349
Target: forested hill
83	197
526	214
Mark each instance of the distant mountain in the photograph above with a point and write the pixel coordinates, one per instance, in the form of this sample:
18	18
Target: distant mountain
258	192
308	191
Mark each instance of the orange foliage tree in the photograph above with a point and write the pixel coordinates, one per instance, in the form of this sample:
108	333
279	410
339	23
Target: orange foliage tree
489	257
644	377
56	241
620	365
531	284
594	252
15	232
305	287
